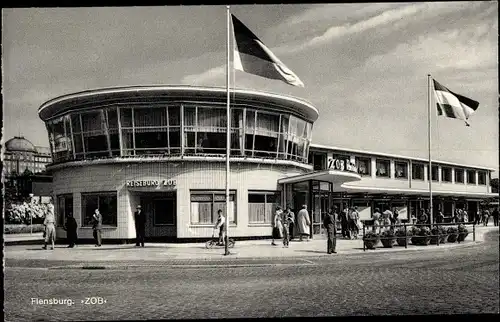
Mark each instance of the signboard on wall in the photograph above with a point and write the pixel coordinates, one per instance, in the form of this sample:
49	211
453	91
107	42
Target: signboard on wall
151	183
341	165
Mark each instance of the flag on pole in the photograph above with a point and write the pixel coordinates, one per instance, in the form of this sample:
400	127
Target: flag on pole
253	57
453	105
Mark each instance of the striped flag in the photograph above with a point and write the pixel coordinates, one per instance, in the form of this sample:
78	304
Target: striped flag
452	104
253	57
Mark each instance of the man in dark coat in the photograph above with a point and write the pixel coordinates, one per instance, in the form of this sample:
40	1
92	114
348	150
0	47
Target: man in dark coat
330	224
344	222
495	216
140	223
71	230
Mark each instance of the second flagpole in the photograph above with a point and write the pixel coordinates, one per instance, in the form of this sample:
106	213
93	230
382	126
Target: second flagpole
429	102
228	131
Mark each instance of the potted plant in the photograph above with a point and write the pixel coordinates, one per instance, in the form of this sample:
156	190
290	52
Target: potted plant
387	238
443	235
422	236
452	234
371	239
462	233
403	238
434	236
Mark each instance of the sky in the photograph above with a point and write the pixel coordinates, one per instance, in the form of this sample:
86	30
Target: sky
364	66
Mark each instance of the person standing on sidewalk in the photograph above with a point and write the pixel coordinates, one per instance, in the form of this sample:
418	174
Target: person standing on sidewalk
303	222
287	220
376	221
140	224
50	229
486	217
330	224
344	223
71	230
277	225
495	216
353	222
291	223
97	227
221	225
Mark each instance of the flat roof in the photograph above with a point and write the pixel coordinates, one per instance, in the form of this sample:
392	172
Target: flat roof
396	156
171	93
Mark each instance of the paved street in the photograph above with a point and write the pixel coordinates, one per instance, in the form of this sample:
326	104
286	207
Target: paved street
438	281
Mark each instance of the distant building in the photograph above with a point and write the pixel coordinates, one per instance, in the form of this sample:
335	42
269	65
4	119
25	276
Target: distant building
21	155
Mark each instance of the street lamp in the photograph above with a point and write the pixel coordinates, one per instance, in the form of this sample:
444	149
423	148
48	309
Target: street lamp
31	214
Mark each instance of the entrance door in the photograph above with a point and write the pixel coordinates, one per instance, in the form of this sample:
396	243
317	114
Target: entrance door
161	210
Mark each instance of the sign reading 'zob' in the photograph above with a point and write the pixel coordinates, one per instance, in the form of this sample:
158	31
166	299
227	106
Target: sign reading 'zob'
151	183
342	165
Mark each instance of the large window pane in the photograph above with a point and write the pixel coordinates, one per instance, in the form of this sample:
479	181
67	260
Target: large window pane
382	168
106	202
126	117
417	171
261	206
204	207
401	170
174	117
211	119
174	137
75	123
153	141
150	116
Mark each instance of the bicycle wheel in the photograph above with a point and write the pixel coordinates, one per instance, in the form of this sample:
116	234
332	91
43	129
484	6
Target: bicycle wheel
231	243
209	244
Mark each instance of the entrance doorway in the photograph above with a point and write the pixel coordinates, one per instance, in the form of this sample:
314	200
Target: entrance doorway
161	215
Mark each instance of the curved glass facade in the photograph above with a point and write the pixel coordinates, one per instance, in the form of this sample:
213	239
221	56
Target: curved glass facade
175	130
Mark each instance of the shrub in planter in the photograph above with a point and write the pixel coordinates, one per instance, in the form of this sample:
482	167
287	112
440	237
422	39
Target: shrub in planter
387	238
452	234
462	233
401	238
434	235
371	239
422	237
443	235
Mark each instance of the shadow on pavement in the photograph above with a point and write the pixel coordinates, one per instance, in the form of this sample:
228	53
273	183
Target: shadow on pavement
312	251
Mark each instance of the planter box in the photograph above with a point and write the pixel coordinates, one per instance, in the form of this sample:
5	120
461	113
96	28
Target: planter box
434	240
462	236
371	243
443	238
402	241
452	238
387	243
421	240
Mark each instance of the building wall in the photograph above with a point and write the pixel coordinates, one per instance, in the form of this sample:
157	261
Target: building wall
188	175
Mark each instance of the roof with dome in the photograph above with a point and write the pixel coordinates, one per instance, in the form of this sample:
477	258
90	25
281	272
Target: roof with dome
20	144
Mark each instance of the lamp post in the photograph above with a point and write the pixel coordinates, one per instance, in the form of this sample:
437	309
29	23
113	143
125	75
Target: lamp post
31	214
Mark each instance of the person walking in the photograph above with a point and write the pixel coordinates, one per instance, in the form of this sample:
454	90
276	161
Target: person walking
353	222
97	227
50	229
287	220
486	217
277	225
344	223
221	225
330	224
495	216
291	223
71	230
477	218
140	226
376	221
303	222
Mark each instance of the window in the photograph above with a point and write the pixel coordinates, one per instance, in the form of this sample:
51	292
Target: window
401	169
204	206
482	177
261	206
435	173
364	166
471	176
64	208
382	168
446	174
319	161
459	176
106	202
417	171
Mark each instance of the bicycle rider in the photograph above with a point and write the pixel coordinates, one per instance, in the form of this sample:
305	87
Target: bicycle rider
220	224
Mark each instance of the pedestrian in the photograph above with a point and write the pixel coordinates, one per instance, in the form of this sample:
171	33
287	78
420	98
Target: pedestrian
486	217
387	219
303	223
220	224
465	216
140	226
477	218
71	230
422	218
376	221
287	219
50	229
97	227
291	223
277	225
440	217
344	221
330	224
353	222
495	216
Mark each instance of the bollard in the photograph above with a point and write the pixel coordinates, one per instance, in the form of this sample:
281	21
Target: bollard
406	238
364	238
474	232
437	228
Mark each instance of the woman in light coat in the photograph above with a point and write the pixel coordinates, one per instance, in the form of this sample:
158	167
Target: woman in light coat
303	222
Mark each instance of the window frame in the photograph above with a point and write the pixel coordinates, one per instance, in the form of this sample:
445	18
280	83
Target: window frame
413	172
276	194
479	172
377	161
443	177
213	192
369	162
64	197
405	176
98	194
462	171
474	181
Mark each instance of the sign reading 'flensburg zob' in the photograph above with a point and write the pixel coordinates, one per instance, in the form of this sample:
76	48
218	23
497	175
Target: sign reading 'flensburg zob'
341	164
151	183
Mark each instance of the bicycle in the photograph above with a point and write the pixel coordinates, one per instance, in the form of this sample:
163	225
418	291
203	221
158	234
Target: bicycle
215	242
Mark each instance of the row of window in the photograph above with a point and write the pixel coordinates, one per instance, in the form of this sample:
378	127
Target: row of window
204	206
382	169
129	131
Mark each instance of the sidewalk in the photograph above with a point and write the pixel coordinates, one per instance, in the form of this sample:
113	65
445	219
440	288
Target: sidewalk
252	249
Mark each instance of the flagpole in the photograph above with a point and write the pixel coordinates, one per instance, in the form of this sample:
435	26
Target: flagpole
228	130
429	78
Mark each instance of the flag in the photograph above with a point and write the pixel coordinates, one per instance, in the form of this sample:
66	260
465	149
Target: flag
453	105
253	57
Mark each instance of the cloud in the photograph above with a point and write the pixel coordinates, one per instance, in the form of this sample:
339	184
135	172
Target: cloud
206	76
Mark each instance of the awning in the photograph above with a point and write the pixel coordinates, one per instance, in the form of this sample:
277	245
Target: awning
334	176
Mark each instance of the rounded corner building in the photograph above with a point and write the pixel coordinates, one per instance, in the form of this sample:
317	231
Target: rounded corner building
164	148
